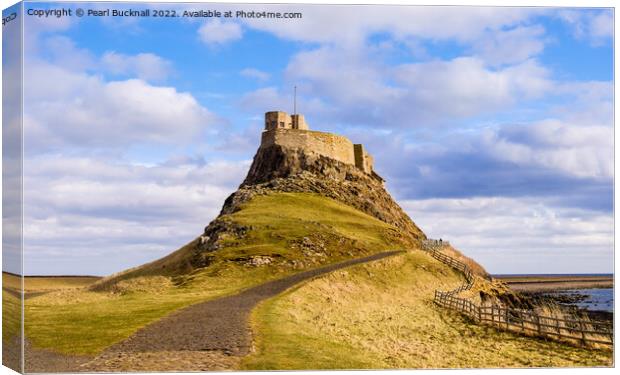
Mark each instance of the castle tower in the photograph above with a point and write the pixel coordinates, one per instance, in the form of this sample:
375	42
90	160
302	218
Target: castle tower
299	122
278	120
363	160
282	129
282	120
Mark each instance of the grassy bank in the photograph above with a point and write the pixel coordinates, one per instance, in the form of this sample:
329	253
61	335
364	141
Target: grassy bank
82	321
381	315
42	283
11	316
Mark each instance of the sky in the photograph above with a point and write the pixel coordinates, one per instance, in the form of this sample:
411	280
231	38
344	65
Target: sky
493	126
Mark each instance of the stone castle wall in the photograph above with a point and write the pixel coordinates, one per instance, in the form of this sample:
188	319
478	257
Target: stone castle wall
331	145
282	120
291	131
363	160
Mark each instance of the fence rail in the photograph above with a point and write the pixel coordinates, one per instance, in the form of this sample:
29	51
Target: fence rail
514	320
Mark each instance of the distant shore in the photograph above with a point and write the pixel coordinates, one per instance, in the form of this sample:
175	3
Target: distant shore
540	283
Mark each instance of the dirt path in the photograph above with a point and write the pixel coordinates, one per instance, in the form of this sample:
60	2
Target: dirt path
211	335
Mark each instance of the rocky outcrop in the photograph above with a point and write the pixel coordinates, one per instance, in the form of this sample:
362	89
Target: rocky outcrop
279	169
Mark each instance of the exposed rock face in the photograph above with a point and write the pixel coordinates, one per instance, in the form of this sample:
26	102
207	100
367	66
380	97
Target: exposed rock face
276	169
279	169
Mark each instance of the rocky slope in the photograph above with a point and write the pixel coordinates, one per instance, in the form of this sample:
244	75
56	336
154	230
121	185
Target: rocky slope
277	170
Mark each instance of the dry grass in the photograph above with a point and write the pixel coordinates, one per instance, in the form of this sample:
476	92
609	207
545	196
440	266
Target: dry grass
162	361
565	321
44	283
548	320
476	268
11	281
39	284
381	315
11	316
87	320
142	284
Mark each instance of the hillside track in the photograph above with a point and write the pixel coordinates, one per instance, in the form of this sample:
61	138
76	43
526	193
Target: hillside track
211	335
221	324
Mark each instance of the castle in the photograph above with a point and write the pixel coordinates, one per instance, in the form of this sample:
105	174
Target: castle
292	131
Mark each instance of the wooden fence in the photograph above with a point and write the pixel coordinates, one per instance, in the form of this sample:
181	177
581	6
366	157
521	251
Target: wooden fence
515	320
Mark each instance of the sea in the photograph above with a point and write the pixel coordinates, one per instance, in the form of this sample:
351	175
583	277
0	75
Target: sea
594	299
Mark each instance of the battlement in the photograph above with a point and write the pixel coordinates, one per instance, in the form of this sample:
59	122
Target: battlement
293	132
282	120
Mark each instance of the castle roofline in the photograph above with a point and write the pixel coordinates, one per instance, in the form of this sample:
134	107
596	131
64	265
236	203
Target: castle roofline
292	131
282	120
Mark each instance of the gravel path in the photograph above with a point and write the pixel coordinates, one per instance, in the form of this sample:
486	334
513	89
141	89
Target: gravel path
40	360
220	324
211	335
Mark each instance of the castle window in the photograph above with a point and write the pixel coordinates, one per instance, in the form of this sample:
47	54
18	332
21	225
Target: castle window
282	124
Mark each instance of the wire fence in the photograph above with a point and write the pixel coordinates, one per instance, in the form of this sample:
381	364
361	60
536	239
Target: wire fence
580	331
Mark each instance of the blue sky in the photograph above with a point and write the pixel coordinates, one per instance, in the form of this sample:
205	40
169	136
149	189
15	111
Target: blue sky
492	126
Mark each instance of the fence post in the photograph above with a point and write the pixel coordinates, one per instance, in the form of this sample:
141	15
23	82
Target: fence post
583	334
450	299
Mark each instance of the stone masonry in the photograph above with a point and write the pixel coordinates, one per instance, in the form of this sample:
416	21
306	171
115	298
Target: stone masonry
292	131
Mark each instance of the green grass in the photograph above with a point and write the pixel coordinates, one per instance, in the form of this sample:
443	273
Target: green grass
11	316
280	218
44	283
85	322
381	315
79	321
11	281
39	283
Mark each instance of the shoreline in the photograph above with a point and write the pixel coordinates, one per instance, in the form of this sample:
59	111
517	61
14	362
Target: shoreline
542	283
543	287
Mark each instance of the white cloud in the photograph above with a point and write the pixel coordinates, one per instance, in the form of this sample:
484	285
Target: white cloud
270	98
357	79
583	152
266	97
92	210
99	214
509	235
602	25
257	74
588	103
63	52
468	87
594	26
347	25
365	90
215	32
146	66
83	110
510	46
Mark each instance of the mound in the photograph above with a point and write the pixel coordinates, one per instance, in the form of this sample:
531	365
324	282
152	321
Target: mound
304	230
296	207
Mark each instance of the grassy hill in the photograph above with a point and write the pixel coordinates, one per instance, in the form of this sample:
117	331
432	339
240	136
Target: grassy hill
284	233
381	315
